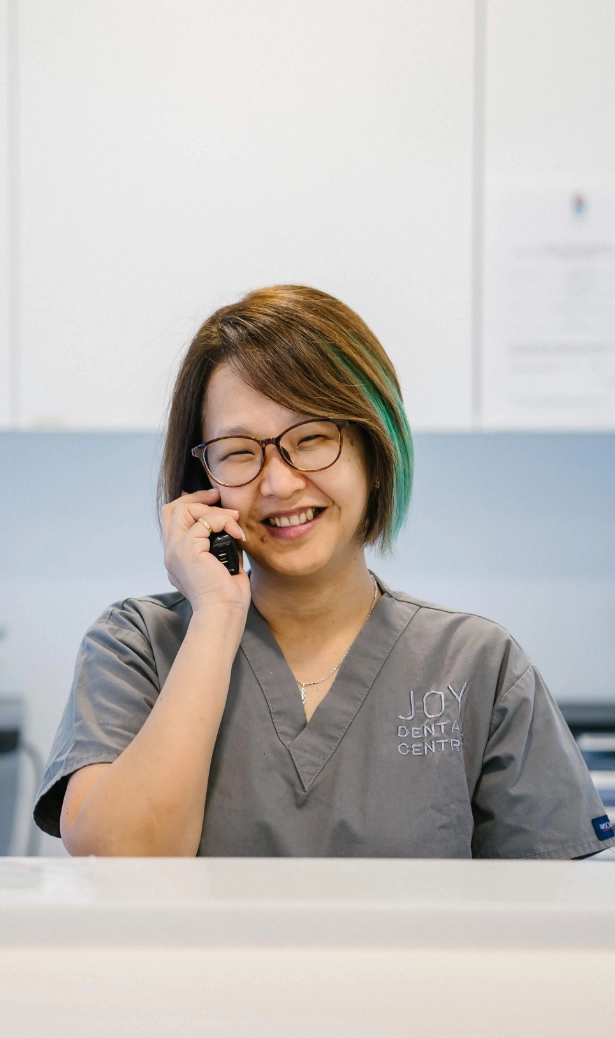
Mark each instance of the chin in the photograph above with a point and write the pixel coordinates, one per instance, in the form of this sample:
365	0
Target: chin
306	569
295	567
292	563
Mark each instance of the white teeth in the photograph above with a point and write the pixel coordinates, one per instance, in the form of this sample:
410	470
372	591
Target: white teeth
293	520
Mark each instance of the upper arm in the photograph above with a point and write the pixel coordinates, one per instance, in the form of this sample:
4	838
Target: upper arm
79	785
114	689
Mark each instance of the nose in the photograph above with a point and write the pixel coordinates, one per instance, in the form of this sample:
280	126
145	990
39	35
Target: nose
278	479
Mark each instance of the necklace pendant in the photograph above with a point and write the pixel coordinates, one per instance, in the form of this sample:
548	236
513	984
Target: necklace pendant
302	684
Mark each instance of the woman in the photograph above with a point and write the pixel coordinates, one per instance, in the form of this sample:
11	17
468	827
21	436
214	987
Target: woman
306	709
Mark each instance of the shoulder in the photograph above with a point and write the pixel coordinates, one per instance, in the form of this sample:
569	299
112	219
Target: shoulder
455	634
155	618
445	618
143	634
145	608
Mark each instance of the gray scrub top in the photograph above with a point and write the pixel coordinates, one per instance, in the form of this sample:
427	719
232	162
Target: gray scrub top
437	739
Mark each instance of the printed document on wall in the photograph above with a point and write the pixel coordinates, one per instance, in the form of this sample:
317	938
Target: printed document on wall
549	312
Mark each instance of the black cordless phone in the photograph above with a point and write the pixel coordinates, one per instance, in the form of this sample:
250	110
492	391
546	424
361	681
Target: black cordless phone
222	545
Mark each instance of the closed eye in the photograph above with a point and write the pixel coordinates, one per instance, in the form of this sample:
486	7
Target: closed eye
309	439
237	454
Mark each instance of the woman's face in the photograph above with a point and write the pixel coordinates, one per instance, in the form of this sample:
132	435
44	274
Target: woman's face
341	491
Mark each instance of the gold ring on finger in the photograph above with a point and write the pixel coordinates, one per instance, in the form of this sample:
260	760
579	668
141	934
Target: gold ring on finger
205	524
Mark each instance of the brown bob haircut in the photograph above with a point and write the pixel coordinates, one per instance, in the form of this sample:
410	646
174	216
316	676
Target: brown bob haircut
310	353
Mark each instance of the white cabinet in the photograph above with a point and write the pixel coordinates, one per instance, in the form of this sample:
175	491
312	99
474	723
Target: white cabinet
5	235
174	156
167	157
549	284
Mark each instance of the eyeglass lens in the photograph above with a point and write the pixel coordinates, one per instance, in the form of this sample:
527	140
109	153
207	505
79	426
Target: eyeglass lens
234	460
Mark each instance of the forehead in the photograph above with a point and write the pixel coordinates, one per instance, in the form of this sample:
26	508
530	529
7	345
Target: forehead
231	407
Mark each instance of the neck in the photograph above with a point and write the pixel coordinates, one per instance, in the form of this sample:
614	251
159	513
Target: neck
309	608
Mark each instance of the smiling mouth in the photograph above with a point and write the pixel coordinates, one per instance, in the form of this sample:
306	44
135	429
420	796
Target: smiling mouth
293	520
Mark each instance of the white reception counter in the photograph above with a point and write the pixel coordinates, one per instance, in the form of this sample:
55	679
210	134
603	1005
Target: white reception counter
261	946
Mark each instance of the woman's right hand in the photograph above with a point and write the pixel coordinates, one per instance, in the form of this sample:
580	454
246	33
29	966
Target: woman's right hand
191	568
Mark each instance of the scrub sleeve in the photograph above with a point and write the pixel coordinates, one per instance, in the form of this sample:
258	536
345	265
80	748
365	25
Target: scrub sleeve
534	785
116	683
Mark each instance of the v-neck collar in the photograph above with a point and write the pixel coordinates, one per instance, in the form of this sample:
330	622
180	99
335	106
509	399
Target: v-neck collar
311	744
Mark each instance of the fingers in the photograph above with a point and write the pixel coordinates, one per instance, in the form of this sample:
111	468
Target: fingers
198	495
167	511
184	523
198	531
218	518
186	510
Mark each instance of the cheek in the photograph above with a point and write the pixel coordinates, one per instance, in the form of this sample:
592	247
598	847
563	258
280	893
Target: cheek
356	469
235	499
348	488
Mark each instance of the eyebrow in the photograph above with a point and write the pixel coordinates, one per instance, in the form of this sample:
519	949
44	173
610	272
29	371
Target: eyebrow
235	430
243	430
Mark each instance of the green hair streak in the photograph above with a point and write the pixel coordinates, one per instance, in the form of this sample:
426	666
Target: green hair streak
395	422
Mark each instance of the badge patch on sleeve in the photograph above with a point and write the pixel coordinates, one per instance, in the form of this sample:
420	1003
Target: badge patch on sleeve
603	827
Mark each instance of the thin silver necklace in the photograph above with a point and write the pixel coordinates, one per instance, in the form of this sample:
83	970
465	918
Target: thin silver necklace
303	684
